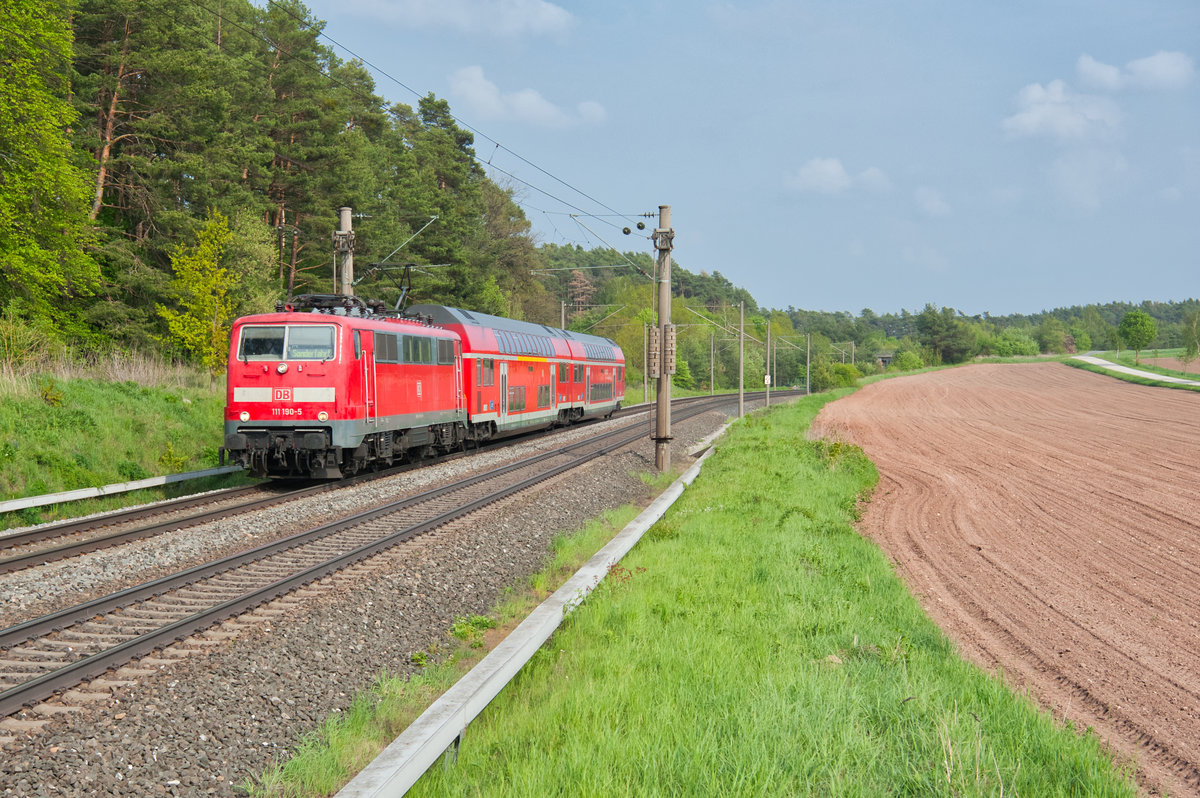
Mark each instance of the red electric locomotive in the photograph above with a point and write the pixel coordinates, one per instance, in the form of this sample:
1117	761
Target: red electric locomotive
332	385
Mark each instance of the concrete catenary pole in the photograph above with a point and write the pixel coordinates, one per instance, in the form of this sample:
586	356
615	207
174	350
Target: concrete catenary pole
807	361
767	363
712	364
741	359
664	237
343	245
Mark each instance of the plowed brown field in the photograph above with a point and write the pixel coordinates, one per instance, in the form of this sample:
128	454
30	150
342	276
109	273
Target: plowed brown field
1048	519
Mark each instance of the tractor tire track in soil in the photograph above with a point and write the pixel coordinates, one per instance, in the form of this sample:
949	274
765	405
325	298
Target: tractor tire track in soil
1048	520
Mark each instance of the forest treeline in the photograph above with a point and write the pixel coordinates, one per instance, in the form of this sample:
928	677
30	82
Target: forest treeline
168	166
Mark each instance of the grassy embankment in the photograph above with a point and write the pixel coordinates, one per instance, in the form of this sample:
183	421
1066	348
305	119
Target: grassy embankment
1126	358
752	644
122	420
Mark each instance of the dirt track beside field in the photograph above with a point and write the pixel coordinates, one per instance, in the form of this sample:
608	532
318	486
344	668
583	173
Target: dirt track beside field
1048	519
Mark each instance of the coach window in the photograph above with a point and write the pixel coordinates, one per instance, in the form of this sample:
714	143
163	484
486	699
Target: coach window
516	397
358	344
562	372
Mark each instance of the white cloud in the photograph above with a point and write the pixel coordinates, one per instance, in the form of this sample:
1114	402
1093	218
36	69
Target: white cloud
828	176
484	99
1084	178
930	202
498	17
1055	110
821	175
1161	71
1097	75
873	179
592	112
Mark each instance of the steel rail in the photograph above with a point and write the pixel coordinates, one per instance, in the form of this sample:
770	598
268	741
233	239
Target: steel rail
40	688
99	543
75	526
65	529
80	526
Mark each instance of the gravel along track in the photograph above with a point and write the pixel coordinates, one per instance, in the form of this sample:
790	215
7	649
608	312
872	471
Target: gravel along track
1048	519
203	715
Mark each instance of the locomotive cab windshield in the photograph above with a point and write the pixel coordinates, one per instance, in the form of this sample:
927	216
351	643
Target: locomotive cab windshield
287	342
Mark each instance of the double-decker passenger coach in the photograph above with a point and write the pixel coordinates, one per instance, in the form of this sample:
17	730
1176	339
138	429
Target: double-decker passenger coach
518	374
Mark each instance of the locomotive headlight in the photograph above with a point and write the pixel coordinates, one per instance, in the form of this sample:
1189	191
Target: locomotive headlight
281	368
322	416
244	415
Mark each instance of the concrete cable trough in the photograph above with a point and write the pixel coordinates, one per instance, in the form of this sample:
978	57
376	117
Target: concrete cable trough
399	766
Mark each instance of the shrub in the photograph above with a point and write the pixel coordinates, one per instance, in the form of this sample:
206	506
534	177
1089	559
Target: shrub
906	360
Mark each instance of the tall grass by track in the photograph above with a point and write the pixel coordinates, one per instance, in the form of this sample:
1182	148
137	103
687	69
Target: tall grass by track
116	419
755	644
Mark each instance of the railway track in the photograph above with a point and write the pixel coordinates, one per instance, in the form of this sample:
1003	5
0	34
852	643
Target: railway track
53	542
48	655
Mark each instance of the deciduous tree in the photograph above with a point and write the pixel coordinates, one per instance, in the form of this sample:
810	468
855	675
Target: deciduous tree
1138	330
44	230
1191	338
203	288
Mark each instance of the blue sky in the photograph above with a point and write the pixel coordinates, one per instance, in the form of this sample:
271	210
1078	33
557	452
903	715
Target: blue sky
1001	157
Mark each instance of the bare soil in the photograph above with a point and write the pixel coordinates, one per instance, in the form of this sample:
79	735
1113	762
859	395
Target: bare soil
1048	520
1192	368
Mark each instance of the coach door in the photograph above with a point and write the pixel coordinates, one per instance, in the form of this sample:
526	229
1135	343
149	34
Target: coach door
587	386
459	388
364	345
503	389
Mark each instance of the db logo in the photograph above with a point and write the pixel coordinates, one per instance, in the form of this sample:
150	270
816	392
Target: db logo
283	394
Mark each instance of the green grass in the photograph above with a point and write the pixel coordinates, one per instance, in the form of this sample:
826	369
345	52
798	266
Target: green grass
755	644
329	757
59	434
